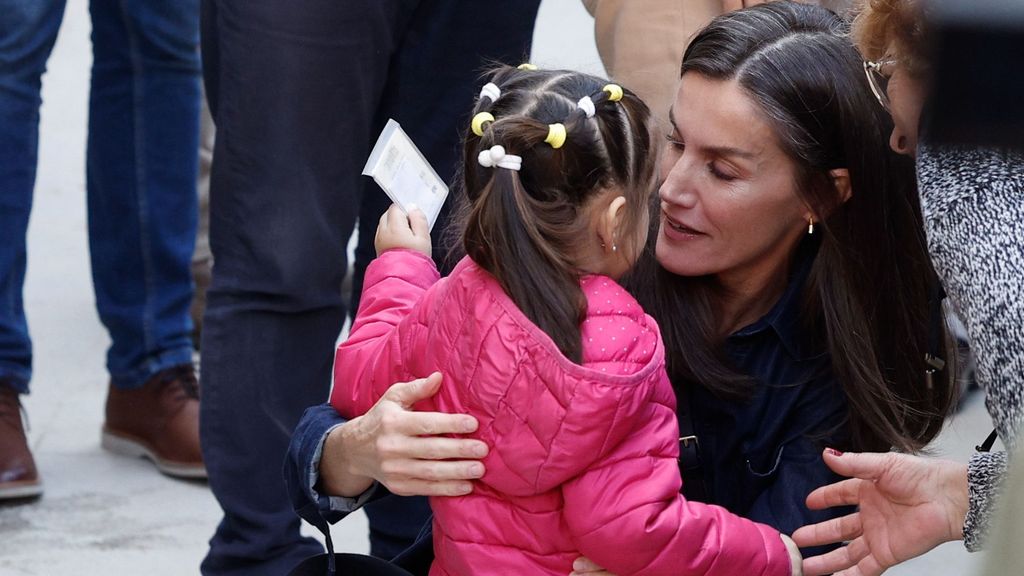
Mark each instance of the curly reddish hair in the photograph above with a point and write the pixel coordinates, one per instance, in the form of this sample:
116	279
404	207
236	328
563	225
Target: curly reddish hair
885	26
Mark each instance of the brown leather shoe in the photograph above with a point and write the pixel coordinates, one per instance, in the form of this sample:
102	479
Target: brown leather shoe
159	421
18	475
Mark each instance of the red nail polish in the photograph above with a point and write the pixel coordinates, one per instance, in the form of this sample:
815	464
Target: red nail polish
834	452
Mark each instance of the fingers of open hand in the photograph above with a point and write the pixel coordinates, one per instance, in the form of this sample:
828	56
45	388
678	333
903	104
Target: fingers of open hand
844	493
413	460
400	469
832	531
405	394
844	558
868	565
406	423
418	487
400	446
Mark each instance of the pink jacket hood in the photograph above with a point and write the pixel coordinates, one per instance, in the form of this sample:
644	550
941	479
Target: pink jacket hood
583	457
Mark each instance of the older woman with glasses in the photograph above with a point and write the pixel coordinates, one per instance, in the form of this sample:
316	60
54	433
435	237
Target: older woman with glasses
972	201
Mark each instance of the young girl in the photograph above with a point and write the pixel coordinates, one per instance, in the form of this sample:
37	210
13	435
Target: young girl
558	363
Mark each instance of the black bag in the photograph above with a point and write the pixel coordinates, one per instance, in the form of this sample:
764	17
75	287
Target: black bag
344	564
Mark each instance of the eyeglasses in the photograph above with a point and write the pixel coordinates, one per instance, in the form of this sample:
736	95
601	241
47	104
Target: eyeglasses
879	80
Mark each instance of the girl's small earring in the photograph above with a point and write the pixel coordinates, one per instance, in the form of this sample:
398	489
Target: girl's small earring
615	248
810	225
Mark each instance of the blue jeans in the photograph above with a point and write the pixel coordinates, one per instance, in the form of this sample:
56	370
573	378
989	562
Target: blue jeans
141	170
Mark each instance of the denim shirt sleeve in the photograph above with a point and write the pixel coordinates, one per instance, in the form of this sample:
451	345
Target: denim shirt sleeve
302	470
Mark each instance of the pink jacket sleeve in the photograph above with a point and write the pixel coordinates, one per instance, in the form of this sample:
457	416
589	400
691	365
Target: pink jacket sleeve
377	352
626	514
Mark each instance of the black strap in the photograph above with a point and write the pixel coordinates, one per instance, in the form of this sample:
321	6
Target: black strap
689	452
937	317
325	529
986	446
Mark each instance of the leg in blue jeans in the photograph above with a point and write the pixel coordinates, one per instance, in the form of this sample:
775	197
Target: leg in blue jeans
292	89
141	165
28	29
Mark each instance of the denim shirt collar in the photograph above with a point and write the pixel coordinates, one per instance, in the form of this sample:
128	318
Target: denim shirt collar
784	317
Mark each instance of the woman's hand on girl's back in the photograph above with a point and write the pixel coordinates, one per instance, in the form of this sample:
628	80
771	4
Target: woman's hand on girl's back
403	449
397	229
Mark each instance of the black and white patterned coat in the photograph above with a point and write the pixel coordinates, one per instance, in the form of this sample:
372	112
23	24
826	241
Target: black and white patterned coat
973	206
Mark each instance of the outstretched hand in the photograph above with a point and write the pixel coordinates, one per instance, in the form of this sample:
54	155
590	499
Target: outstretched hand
907	506
403	449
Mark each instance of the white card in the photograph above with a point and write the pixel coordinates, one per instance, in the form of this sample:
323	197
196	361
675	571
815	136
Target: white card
398	167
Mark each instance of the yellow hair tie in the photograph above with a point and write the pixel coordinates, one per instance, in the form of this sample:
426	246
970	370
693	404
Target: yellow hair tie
556	135
614	92
478	122
526	66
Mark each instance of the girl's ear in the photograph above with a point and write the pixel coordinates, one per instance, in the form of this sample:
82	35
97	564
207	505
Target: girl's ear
610	224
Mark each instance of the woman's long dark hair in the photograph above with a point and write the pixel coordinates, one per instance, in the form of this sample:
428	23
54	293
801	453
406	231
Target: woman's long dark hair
868	292
526	227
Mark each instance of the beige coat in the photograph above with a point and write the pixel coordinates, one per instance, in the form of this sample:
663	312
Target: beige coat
641	42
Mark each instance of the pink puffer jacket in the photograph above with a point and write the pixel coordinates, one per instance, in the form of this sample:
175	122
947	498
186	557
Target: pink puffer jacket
583	458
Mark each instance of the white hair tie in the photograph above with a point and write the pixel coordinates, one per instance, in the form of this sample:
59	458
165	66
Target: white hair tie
496	156
490	90
587	105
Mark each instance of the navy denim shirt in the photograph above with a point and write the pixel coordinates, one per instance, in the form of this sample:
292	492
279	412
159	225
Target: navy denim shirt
761	458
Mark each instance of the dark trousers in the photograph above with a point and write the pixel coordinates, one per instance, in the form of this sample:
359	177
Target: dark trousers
298	91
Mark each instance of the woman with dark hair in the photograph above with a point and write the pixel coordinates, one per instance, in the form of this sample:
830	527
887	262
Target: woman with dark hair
788	275
973	205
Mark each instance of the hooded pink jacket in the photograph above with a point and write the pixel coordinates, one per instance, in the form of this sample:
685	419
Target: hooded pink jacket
583	457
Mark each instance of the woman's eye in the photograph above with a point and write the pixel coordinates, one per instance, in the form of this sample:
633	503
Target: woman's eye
719	174
675	142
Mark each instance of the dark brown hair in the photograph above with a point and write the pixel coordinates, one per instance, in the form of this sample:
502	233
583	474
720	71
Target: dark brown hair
867	298
526	226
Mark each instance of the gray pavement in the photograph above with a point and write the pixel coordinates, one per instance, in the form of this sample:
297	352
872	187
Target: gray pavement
103	514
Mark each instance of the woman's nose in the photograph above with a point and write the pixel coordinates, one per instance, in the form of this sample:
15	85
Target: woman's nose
677	187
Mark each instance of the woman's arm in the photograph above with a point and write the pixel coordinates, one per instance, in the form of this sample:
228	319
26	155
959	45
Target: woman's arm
985	475
332	464
972	201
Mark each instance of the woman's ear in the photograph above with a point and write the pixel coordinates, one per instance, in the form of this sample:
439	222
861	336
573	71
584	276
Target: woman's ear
610	224
841	180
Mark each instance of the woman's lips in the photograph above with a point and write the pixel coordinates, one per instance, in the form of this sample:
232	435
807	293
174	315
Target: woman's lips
678	229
